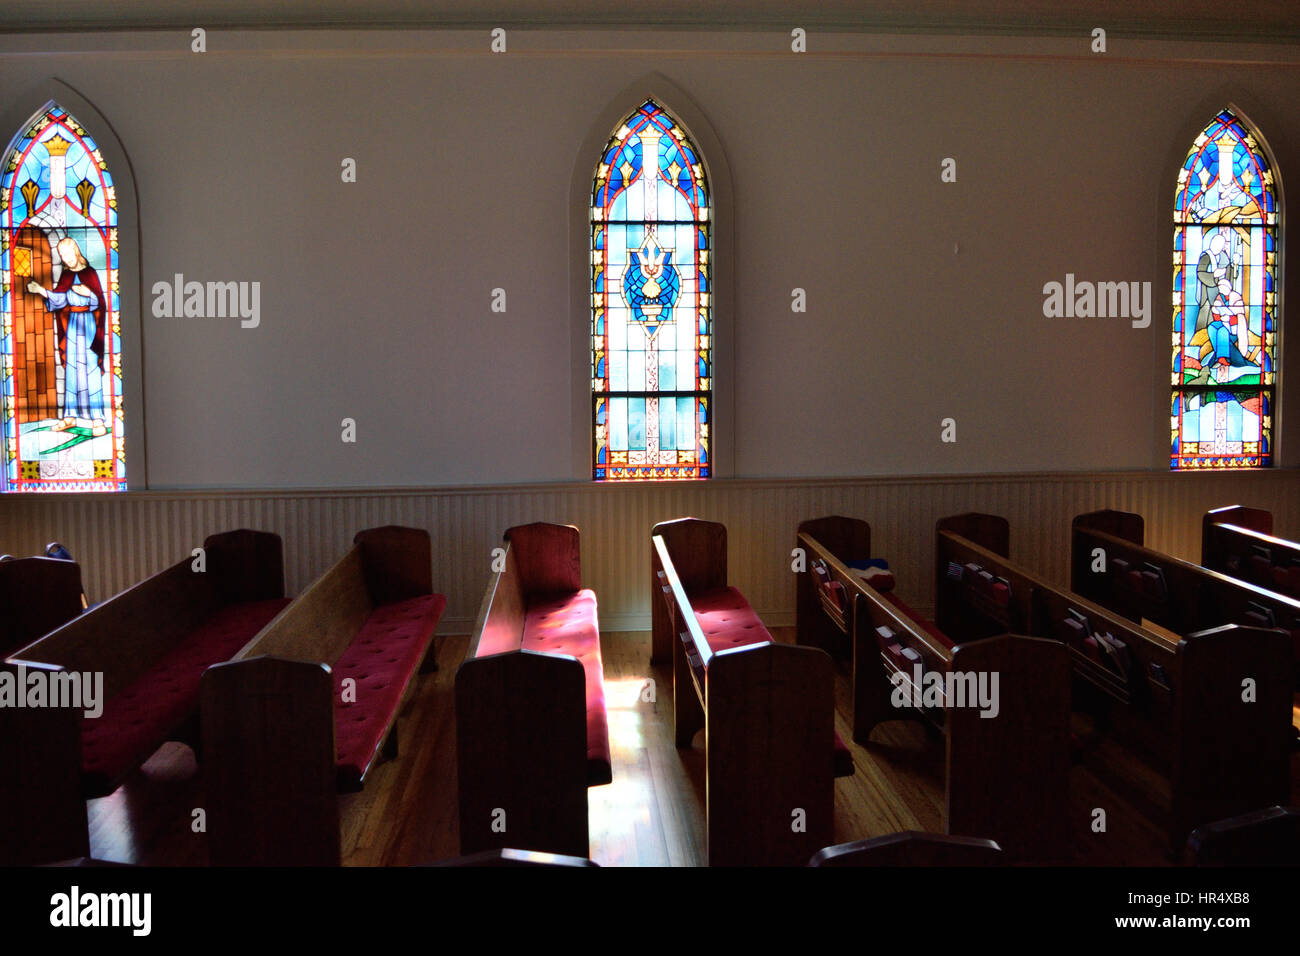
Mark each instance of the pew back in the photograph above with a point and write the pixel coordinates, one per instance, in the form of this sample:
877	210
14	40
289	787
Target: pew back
124	637
320	624
1110	565
1239	542
700	549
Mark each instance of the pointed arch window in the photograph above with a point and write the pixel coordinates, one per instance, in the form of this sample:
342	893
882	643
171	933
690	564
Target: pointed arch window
60	315
651	312
1225	336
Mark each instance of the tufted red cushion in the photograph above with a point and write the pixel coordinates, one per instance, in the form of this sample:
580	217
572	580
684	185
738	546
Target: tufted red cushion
136	721
566	623
727	620
916	618
382	658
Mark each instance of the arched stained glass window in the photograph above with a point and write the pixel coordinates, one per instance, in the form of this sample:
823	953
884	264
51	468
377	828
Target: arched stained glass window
1226	229
60	331
651	316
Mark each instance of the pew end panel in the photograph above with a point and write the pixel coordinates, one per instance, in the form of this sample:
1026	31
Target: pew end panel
769	723
527	788
1008	774
699	550
848	539
1236	751
911	848
267	712
37	596
42	809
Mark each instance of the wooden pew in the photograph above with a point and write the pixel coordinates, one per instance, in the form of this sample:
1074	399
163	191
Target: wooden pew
767	709
911	848
848	538
284	732
1005	776
1239	542
531	728
148	646
1175	702
37	595
1267	837
700	567
1183	597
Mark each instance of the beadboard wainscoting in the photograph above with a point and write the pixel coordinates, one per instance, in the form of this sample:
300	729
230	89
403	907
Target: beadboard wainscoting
120	539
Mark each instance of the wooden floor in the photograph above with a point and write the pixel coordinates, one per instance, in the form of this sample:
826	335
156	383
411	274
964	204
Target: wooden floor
653	812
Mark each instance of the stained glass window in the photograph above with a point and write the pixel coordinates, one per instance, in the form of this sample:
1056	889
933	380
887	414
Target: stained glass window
651	314
60	319
1226	223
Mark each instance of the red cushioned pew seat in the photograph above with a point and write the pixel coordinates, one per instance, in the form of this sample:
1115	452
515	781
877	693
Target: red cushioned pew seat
382	659
134	721
566	623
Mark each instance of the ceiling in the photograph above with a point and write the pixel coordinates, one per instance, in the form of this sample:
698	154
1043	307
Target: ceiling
1240	20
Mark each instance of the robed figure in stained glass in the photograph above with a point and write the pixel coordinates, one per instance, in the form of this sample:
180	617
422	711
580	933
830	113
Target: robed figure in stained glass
77	302
1212	268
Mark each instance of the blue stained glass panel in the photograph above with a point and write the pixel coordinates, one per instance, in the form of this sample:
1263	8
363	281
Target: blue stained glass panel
651	314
